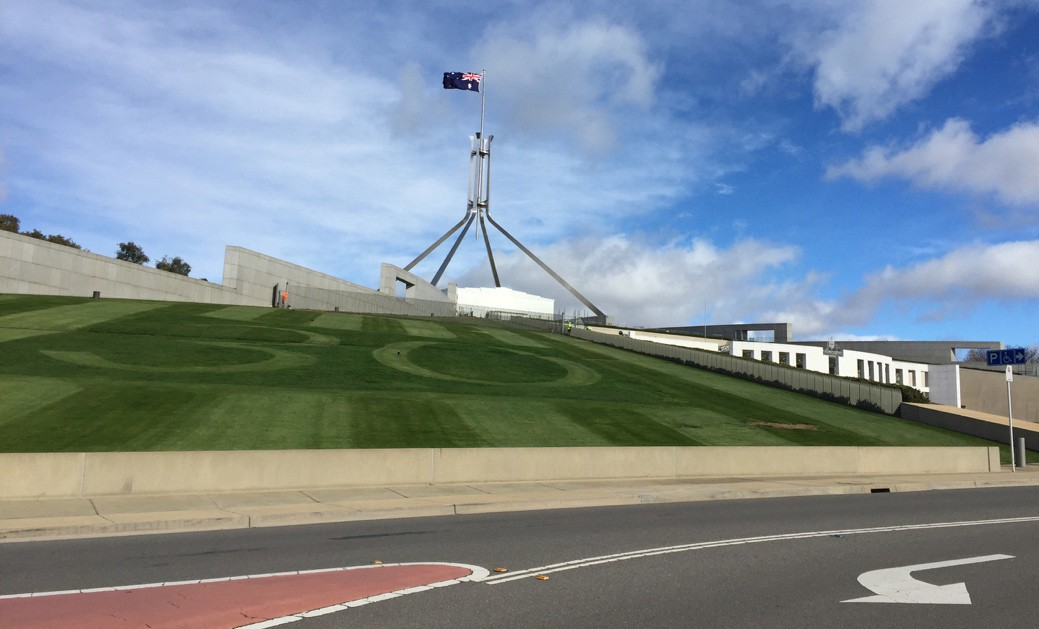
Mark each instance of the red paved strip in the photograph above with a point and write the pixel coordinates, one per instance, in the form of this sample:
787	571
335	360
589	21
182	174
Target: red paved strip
219	604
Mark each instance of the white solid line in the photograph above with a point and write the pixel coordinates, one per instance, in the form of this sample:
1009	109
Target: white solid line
479	573
649	552
331	609
266	624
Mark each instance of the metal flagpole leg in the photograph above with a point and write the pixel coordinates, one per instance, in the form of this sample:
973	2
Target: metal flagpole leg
490	256
555	276
437	243
450	254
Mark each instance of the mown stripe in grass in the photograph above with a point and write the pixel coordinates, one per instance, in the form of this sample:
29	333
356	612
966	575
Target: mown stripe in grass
621	425
510	338
338	321
76	316
238	313
277	359
120	417
13	334
428	329
469	368
23	396
519	422
420	421
384	325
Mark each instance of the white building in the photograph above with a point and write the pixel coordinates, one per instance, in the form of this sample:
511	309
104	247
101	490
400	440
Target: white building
848	363
478	302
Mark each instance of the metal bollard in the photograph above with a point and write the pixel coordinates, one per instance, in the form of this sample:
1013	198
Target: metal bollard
1019	452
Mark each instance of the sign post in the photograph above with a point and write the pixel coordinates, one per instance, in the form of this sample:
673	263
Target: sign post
1010	417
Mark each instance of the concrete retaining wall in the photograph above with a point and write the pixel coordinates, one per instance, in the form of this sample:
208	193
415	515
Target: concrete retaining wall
255	275
986	391
37	267
973	423
122	473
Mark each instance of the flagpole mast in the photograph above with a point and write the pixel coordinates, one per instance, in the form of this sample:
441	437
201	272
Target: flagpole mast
483	98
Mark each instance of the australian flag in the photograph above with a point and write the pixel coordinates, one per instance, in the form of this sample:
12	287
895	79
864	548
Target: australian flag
462	81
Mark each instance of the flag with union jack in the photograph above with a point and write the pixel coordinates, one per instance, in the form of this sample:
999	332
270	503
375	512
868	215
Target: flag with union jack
462	81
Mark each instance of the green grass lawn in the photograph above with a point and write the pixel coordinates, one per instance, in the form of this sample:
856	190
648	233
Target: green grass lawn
115	375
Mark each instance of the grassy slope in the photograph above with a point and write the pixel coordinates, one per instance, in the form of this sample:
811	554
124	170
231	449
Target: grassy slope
83	375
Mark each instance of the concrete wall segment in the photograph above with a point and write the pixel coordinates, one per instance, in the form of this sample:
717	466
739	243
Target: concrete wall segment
115	473
49	475
975	423
30	265
476	465
126	473
945	385
986	391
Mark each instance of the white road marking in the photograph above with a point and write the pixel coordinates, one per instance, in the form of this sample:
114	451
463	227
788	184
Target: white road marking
896	585
478	574
650	552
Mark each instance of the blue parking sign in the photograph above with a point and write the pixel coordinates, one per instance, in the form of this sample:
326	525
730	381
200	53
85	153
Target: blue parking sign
1011	356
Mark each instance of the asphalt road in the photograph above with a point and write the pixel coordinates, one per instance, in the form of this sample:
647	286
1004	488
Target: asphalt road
790	562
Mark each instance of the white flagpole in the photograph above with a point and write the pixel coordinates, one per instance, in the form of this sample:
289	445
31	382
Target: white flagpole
483	99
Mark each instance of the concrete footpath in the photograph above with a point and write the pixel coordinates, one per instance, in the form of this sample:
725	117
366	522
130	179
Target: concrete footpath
67	518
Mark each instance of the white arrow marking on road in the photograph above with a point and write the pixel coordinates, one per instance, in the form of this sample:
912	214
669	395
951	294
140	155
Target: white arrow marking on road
896	585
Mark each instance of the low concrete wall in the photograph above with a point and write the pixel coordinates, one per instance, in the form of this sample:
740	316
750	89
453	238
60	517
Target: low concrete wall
973	423
121	473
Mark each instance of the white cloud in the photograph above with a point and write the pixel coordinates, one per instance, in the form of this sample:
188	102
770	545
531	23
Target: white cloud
937	289
570	77
643	283
948	287
886	53
965	275
954	158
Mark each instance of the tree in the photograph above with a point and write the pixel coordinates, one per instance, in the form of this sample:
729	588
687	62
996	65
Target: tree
57	239
9	223
176	265
132	252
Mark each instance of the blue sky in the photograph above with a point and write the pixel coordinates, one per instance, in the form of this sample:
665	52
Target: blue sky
861	170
